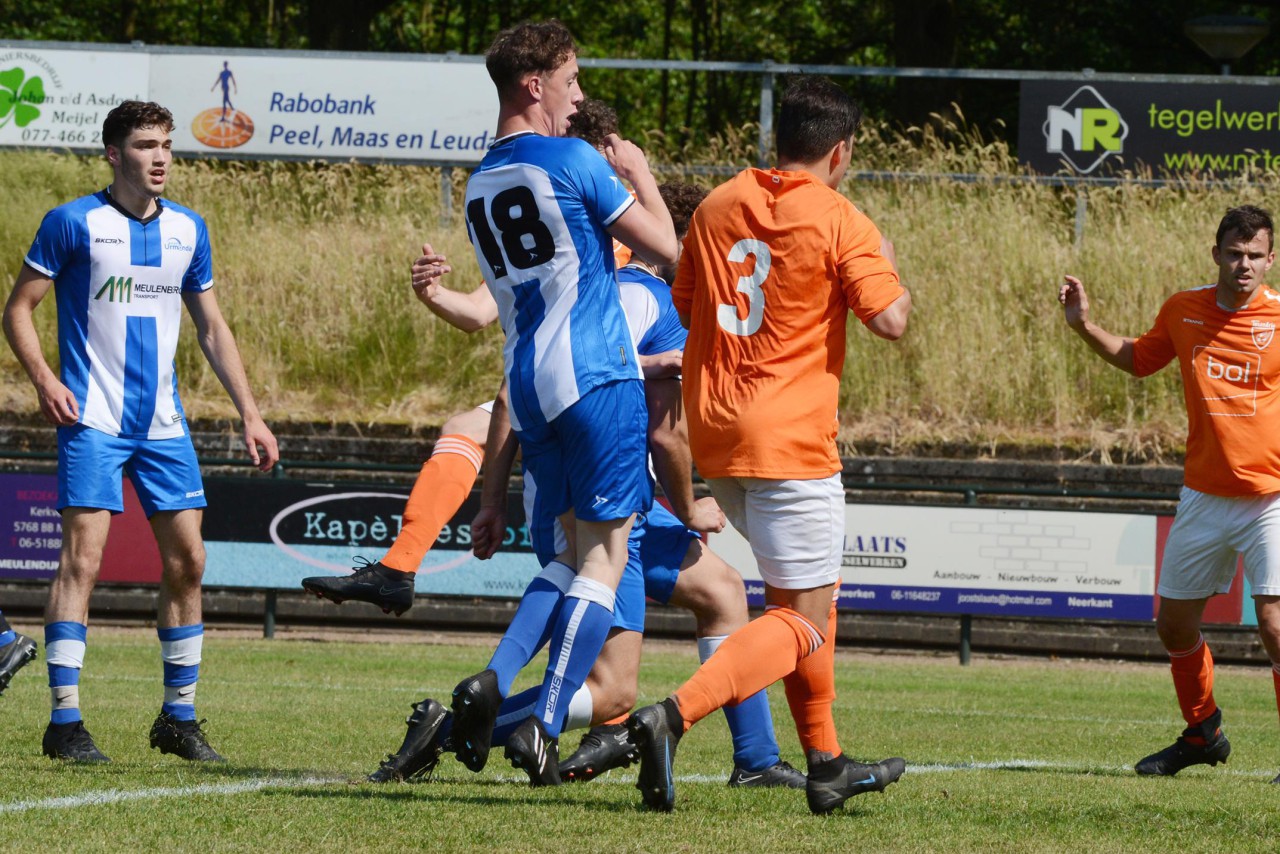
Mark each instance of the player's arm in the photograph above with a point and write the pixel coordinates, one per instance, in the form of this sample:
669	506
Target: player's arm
672	461
891	323
468	312
645	226
490	525
1113	348
662	366
219	347
57	403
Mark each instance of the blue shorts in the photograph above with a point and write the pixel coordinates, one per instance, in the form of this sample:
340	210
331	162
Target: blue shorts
164	472
593	458
655	551
664	543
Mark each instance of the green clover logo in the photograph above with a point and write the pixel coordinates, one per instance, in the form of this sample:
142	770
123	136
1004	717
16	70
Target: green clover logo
18	99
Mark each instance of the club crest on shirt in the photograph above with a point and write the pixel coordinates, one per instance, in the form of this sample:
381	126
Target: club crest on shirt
1263	331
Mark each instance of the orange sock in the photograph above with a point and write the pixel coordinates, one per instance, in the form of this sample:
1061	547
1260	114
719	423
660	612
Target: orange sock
1275	677
620	719
754	657
443	484
1193	682
811	690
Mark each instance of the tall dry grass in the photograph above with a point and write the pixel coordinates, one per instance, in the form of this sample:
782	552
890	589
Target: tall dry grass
312	264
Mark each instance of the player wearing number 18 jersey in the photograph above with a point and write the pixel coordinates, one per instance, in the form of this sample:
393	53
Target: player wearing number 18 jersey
772	263
541	211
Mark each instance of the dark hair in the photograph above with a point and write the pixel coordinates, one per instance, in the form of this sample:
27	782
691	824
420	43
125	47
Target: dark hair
681	200
816	114
128	116
593	122
528	48
1245	222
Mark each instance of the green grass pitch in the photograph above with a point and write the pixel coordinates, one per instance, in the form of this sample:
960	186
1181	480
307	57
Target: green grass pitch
1016	755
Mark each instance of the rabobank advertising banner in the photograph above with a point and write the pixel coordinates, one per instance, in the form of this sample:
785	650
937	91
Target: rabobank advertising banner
1103	128
971	560
261	104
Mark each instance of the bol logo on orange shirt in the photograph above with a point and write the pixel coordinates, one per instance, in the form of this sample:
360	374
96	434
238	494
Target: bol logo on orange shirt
1227	380
225	126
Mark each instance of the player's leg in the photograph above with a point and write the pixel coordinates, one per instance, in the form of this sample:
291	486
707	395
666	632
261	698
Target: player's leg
1198	562
90	464
166	476
16	649
441	487
610	689
604	437
702	583
84	537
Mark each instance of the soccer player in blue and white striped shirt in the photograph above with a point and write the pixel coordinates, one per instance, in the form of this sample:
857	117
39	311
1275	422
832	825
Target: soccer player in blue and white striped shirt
122	263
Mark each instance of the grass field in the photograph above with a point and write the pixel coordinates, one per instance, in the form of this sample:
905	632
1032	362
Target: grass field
1016	755
312	266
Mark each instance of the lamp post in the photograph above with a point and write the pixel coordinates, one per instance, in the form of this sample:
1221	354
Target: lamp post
1226	38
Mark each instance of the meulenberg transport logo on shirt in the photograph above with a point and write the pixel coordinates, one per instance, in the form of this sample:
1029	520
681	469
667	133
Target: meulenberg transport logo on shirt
116	289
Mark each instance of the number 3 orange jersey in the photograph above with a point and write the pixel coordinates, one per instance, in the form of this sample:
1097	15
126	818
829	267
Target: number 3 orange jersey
773	263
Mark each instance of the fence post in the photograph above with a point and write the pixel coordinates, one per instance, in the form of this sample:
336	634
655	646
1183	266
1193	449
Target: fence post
446	196
766	115
1082	214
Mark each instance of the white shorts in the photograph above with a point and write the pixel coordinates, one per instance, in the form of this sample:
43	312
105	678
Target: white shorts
795	527
1207	534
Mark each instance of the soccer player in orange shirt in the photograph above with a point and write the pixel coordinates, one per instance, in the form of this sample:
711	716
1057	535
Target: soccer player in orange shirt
773	262
1223	338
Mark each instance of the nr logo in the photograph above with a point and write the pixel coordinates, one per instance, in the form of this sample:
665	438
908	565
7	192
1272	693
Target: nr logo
1227	380
19	97
1085	130
116	289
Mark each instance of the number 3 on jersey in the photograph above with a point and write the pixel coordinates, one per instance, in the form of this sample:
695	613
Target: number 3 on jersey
526	242
727	315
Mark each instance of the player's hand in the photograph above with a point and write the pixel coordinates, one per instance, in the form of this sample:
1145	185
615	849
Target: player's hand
1075	302
707	517
662	366
626	158
488	530
260	442
58	404
427	271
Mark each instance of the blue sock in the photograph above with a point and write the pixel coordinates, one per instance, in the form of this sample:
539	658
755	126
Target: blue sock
64	644
580	633
531	626
755	747
513	712
7	634
180	650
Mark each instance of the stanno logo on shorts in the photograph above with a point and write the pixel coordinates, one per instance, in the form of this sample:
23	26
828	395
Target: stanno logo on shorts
197	494
1227	380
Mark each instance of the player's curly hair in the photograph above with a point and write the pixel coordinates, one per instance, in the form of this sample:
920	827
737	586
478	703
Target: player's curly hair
681	200
527	48
593	122
128	116
1245	222
815	115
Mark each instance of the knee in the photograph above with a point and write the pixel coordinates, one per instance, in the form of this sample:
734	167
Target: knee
474	424
185	569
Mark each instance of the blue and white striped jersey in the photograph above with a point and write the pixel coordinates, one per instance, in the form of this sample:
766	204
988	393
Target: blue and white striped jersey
118	282
537	208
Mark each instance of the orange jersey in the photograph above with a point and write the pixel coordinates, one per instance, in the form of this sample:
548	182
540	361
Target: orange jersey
1230	366
773	262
